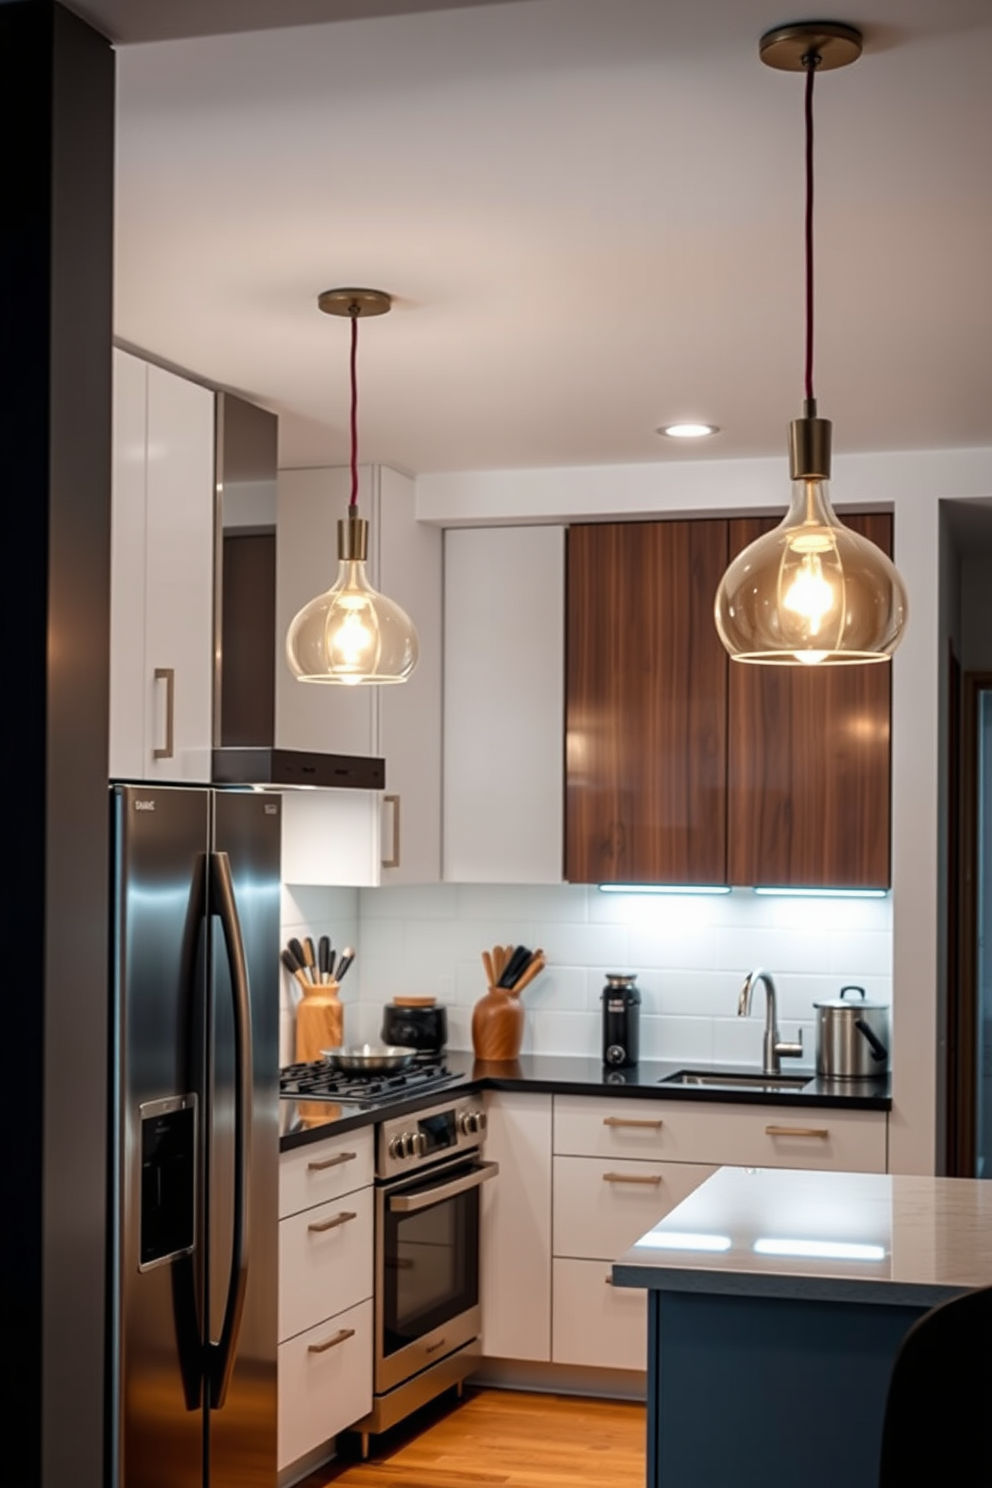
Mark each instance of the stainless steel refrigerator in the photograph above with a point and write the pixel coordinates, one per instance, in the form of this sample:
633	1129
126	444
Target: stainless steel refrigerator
195	1136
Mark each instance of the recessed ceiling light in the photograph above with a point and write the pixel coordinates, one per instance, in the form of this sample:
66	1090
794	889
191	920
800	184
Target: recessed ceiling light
688	431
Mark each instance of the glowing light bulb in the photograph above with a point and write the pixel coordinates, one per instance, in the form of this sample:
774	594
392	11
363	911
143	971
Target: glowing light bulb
810	595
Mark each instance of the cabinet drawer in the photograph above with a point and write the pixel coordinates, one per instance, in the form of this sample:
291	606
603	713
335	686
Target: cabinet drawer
325	1381
325	1261
722	1133
323	1170
602	1207
596	1323
586	1126
777	1137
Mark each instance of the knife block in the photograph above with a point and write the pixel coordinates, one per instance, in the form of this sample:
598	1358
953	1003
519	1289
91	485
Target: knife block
497	1026
319	1022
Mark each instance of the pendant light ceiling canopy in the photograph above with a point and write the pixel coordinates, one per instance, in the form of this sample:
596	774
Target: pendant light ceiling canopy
812	591
351	634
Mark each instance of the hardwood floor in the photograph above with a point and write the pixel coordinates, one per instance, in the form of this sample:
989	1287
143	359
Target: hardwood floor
501	1437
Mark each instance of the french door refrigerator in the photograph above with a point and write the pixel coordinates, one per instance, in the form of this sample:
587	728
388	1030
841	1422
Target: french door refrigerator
195	1137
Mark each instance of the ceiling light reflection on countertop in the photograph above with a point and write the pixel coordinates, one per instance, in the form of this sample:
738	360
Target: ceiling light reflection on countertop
820	1250
679	1240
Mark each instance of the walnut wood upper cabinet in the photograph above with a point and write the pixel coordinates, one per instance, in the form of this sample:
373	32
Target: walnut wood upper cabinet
808	762
646	704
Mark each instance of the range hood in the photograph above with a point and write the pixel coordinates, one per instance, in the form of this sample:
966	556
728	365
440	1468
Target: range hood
246	644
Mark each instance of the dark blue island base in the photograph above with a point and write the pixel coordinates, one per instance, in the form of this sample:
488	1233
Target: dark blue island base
753	1392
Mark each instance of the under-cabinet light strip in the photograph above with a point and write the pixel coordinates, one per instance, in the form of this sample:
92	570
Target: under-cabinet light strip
794	893
620	888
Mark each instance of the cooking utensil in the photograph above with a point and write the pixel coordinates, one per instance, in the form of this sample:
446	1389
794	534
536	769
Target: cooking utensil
297	949
422	1028
357	1058
533	969
515	967
324	958
852	1037
291	964
489	968
309	957
347	956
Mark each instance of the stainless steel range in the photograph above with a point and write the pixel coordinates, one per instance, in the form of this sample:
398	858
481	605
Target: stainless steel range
429	1173
319	1082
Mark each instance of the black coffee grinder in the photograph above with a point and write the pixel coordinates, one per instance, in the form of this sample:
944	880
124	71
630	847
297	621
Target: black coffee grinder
621	1021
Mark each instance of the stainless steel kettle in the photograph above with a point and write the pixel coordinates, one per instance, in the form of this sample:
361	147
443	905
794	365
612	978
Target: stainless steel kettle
852	1038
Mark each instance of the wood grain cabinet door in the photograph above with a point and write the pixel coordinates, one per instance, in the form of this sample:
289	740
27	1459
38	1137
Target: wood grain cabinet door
809	761
646	704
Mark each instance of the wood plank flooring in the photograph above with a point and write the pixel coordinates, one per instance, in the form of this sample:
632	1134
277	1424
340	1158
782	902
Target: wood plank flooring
504	1439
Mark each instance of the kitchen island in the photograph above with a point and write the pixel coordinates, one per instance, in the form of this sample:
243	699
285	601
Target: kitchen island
777	1302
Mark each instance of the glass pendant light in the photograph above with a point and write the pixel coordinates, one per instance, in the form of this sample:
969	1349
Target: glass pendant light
812	591
351	634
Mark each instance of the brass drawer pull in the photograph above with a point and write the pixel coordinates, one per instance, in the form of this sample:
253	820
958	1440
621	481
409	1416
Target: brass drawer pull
632	1121
393	861
608	1280
653	1178
323	1163
319	1226
336	1338
797	1131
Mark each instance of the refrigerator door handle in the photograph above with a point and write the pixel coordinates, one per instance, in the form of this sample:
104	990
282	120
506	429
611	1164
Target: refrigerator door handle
222	1353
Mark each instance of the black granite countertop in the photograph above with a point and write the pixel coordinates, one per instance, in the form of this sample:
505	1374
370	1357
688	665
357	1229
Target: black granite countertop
302	1122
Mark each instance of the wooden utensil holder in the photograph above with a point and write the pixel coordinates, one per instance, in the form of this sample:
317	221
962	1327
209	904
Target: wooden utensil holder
319	1022
497	1026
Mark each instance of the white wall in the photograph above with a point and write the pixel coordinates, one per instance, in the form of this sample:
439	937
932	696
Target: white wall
690	953
912	485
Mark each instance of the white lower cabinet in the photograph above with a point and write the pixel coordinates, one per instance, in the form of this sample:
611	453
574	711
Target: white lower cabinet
325	1381
325	1291
596	1323
516	1228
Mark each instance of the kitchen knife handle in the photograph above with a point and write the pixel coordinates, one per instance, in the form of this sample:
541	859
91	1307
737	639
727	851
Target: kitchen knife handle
223	904
168	676
655	1125
797	1131
393	861
322	1164
319	1226
329	1343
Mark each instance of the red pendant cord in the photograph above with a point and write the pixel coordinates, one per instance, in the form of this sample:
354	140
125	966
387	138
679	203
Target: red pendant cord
810	63
353	503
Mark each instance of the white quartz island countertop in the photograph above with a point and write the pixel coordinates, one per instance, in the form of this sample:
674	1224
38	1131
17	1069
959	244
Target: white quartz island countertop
782	1232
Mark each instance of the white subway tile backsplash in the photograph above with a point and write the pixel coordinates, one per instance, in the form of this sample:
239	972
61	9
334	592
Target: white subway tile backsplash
690	954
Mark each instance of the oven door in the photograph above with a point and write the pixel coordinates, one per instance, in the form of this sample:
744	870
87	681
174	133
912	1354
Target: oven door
427	1263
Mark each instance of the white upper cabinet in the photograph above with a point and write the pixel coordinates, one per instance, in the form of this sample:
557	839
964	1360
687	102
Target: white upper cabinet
162	574
401	723
504	636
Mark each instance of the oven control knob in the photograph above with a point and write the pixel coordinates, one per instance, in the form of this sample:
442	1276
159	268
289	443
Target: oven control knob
483	1121
469	1123
419	1144
396	1146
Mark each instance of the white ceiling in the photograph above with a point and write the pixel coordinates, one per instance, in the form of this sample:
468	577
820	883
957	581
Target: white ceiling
589	212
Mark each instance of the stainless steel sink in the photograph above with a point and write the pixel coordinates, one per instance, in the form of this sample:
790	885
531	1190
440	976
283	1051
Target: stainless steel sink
735	1080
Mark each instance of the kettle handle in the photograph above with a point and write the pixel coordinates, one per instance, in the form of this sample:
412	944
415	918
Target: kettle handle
860	991
878	1049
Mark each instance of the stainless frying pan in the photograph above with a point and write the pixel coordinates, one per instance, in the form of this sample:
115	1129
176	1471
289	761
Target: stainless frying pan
369	1058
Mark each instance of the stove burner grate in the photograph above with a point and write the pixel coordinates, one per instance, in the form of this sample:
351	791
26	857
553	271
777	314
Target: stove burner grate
317	1081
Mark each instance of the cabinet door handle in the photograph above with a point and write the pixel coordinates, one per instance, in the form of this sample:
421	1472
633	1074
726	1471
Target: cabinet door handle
335	1338
319	1226
608	1280
653	1178
320	1165
168	676
393	861
797	1131
632	1121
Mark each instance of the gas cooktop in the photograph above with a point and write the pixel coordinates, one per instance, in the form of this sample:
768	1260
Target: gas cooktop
317	1081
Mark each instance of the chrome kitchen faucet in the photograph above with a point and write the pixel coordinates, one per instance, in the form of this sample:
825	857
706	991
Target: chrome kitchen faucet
773	1048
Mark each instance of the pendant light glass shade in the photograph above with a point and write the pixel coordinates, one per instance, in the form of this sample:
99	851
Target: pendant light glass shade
811	592
351	634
